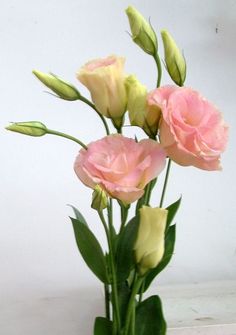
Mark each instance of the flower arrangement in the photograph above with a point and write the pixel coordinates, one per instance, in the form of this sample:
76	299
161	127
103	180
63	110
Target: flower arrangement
179	125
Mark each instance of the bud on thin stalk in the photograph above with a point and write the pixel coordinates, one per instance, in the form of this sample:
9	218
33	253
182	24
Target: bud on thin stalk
31	128
142	32
36	128
175	62
63	89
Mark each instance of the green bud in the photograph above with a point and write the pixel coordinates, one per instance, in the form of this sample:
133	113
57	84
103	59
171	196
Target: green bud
141	113
142	32
137	100
63	89
99	199
174	59
31	128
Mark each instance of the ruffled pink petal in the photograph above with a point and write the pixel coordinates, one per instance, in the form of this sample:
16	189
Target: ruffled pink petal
125	194
158	159
185	158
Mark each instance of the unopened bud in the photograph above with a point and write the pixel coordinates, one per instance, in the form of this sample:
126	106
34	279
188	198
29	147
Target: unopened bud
141	111
63	89
150	243
142	32
137	97
31	128
174	59
99	199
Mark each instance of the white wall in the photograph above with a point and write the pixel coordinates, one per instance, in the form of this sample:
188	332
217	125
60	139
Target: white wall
37	246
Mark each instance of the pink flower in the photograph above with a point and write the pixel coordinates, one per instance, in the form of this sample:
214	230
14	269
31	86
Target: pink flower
192	130
120	165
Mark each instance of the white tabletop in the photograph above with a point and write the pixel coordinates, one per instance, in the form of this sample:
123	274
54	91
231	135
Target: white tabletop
44	308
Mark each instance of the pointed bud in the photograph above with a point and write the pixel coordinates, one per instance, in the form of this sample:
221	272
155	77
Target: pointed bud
150	243
174	59
137	95
63	89
32	128
142	32
99	199
141	112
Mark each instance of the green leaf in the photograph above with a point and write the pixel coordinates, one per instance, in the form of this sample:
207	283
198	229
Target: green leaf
102	326
78	215
169	250
125	249
172	210
90	250
149	317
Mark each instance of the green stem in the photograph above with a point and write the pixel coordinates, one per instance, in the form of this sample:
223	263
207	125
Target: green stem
131	305
141	292
159	69
165	182
89	103
69	137
109	234
133	320
119	130
113	269
147	194
107	301
124	214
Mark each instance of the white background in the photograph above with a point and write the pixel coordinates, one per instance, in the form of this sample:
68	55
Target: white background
37	247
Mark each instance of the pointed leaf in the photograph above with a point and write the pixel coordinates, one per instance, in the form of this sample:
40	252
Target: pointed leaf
90	250
78	215
102	326
169	250
172	210
125	249
149	317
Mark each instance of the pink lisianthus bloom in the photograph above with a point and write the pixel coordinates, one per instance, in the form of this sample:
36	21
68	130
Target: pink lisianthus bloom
192	130
120	165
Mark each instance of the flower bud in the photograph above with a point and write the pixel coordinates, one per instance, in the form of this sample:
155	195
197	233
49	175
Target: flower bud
174	59
63	89
142	32
141	113
137	95
99	199
150	243
32	128
105	78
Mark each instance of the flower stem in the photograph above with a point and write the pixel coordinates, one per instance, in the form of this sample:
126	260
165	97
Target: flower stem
69	137
141	291
109	234
107	301
165	182
131	308
124	214
89	103
159	69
